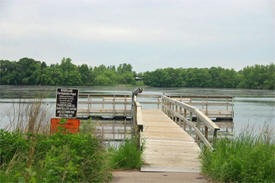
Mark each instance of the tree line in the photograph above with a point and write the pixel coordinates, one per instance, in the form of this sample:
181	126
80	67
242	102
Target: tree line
253	77
28	71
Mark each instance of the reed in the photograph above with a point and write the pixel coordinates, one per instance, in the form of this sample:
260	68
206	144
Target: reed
249	157
29	154
127	156
33	117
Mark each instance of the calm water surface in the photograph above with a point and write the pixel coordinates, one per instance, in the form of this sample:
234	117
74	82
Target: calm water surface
253	108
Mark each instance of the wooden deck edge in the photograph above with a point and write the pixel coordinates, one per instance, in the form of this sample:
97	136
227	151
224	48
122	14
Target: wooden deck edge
169	169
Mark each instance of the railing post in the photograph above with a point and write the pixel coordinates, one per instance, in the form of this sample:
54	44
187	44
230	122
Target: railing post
191	119
134	109
206	107
114	108
185	115
158	102
181	115
89	105
198	126
176	110
227	103
215	137
162	108
125	105
206	132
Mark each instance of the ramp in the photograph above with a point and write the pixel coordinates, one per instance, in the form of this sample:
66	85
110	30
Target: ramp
168	148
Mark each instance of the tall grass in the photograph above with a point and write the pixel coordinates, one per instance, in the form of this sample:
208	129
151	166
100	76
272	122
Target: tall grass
33	117
245	158
127	156
55	158
29	154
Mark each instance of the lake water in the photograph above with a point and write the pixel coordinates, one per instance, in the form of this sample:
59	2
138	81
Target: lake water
253	108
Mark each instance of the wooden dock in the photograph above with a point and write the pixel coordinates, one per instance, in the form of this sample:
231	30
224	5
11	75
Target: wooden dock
170	129
167	146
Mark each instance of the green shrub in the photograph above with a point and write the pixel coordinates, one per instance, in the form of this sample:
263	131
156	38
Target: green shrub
127	156
11	144
246	158
56	158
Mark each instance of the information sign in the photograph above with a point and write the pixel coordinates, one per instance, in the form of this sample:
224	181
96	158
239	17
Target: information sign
66	103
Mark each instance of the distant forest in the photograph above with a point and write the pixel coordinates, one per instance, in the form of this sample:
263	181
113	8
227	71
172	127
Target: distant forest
28	71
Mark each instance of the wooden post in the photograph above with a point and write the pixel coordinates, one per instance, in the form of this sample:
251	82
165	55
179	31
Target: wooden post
114	108
176	110
185	115
206	106
125	106
198	126
113	129
162	105
227	102
191	119
181	115
102	130
124	128
89	105
206	132
158	102
215	137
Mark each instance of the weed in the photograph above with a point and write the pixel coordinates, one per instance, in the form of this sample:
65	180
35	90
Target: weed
246	158
127	156
56	158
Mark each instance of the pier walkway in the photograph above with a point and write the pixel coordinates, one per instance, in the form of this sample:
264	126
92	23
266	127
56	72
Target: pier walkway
171	129
168	147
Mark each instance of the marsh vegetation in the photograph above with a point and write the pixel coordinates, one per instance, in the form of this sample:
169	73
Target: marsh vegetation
29	154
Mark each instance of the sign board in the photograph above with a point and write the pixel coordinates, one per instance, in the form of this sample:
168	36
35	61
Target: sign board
66	103
64	125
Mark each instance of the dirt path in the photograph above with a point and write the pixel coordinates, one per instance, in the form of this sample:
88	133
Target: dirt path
156	177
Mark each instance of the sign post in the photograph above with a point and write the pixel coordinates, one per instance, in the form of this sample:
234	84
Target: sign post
66	110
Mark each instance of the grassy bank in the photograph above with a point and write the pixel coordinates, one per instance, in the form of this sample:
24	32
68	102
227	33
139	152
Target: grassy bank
246	158
25	157
29	154
55	158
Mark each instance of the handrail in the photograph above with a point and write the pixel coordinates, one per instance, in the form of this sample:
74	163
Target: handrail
178	111
137	120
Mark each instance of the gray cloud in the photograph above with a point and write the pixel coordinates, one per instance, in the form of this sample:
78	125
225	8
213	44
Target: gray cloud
147	33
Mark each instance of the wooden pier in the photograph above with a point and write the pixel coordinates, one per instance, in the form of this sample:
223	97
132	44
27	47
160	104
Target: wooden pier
170	129
167	146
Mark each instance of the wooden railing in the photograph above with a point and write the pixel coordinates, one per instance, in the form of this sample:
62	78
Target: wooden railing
211	106
114	104
104	104
183	113
137	120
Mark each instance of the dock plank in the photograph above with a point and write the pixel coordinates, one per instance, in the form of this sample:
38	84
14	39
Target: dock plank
168	147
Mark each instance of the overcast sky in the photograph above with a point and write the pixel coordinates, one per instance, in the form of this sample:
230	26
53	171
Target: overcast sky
148	34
